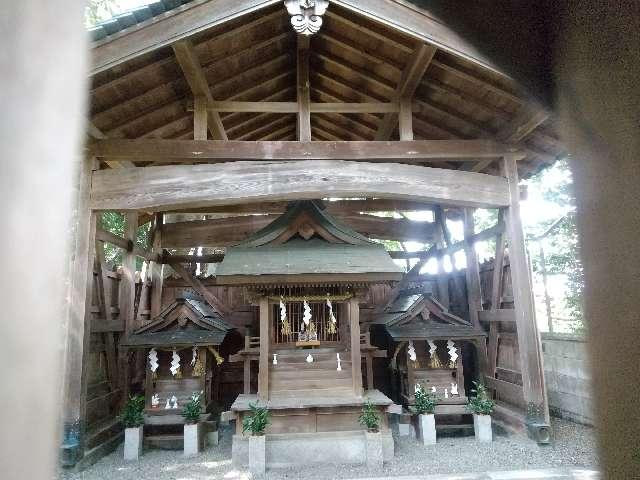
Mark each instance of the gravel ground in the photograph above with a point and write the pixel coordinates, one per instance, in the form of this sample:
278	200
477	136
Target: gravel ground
573	446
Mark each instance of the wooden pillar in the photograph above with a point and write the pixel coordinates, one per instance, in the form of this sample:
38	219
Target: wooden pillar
304	110
127	297
78	331
405	119
496	298
200	118
263	367
156	268
528	337
369	360
247	374
472	272
354	330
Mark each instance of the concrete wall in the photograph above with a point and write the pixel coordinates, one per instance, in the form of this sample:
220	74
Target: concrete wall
568	377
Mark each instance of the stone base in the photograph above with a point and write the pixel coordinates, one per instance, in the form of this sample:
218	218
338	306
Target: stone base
427	424
286	450
482	428
191	440
257	455
132	443
373	449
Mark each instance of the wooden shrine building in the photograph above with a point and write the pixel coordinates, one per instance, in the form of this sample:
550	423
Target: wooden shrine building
269	150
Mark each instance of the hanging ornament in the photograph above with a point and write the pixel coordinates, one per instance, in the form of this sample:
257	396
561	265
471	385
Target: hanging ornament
153	360
175	364
453	354
435	362
275	358
195	355
306	15
286	326
306	317
331	326
309	358
411	351
198	369
339	365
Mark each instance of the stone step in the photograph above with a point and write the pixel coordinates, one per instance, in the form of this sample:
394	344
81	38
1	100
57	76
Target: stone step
166	441
103	432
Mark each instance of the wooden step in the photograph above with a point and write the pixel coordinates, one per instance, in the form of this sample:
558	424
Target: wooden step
316	392
328	364
317	373
103	432
310	384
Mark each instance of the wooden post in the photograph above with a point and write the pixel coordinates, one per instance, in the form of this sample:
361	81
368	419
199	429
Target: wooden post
356	361
78	332
263	367
528	338
496	297
369	360
472	272
304	110
405	119
200	118
156	268
247	374
127	297
547	298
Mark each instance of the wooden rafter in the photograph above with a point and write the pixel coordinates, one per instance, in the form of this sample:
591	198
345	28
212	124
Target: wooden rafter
411	76
95	133
190	65
197	285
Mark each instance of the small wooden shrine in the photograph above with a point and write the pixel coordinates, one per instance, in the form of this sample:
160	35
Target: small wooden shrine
182	357
428	342
306	272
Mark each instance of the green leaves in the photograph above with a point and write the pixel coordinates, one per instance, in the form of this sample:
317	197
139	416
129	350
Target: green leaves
193	408
256	421
369	416
132	415
480	404
425	401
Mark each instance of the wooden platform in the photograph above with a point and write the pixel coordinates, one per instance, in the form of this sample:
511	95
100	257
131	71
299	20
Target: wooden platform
376	397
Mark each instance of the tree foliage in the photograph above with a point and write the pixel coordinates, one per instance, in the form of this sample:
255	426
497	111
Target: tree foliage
562	251
97	11
114	222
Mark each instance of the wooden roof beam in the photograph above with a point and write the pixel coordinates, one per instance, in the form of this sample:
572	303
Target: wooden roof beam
193	150
190	65
95	133
411	76
302	85
189	186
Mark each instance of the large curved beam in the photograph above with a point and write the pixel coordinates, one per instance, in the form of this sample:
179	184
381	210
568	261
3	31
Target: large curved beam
183	186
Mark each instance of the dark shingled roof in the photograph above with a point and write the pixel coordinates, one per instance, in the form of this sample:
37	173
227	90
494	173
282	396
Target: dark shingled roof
403	321
133	17
211	328
355	255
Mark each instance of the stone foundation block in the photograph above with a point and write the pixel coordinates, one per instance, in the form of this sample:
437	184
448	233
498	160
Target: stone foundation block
132	443
257	454
373	449
482	428
427	424
191	440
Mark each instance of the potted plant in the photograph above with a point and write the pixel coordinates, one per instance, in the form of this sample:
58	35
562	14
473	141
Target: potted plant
425	405
132	417
191	413
373	442
482	407
256	422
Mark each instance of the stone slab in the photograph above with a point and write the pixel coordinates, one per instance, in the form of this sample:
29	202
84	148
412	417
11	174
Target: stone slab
427	424
132	443
192	440
482	428
257	455
373	450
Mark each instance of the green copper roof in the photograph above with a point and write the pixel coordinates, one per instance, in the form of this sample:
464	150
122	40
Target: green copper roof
262	254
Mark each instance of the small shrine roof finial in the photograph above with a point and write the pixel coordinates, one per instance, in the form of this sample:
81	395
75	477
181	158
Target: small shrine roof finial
306	15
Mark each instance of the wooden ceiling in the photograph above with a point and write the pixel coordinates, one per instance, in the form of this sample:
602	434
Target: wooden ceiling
352	59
